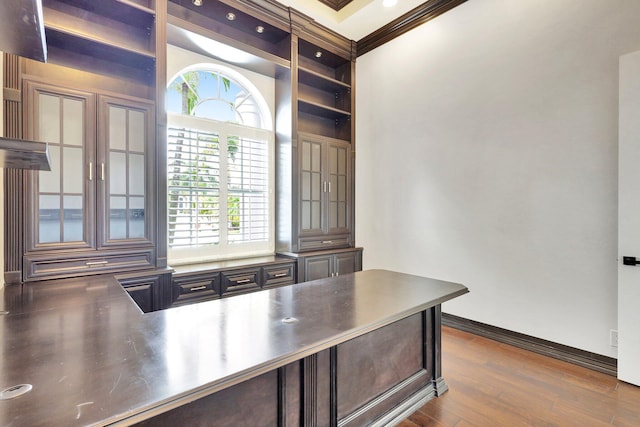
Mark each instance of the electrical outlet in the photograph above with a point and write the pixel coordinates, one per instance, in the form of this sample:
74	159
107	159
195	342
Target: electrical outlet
613	338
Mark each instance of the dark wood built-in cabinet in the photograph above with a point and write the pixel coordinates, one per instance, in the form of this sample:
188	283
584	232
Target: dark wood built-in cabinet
328	263
94	102
325	193
203	282
103	207
93	211
317	153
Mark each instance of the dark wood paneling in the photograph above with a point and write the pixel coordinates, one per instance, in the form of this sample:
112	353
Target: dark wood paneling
410	20
159	37
365	372
13	179
290	407
253	402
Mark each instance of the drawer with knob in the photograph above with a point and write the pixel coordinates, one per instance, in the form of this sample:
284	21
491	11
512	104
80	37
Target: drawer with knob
195	288
279	275
240	281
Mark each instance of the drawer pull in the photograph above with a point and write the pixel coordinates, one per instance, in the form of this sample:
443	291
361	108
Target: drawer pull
96	263
281	275
243	281
198	288
326	242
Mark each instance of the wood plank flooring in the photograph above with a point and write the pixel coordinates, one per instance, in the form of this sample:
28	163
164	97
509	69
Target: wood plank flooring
494	384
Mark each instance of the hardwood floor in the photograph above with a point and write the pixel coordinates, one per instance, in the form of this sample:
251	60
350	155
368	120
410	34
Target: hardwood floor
494	384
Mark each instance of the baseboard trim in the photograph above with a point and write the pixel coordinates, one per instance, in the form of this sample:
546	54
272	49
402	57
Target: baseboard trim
597	362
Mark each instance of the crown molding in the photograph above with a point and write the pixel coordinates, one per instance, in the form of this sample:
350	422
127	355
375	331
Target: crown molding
410	20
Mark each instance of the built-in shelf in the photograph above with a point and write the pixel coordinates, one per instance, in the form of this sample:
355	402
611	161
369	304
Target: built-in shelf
320	81
108	32
322	110
107	36
90	47
134	13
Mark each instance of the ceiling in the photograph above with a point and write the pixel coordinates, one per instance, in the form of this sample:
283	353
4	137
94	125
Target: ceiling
357	19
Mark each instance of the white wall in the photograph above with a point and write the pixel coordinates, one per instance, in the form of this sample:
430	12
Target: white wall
487	155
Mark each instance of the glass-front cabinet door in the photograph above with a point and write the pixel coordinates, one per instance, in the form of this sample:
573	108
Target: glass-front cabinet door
124	129
312	186
91	213
63	205
325	191
338	187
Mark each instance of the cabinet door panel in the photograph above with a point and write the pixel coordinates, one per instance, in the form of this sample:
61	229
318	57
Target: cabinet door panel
61	209
311	187
338	188
325	192
318	267
345	263
125	132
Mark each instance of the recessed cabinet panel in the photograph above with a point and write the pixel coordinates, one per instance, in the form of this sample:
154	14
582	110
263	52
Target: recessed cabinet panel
318	267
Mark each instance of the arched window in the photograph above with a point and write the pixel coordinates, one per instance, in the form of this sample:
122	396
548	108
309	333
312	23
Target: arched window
220	167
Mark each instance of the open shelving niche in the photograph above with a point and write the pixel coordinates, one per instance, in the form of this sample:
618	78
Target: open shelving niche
324	92
120	39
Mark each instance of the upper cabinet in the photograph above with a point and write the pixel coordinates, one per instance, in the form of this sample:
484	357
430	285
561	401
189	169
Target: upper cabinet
92	212
117	36
325	193
316	146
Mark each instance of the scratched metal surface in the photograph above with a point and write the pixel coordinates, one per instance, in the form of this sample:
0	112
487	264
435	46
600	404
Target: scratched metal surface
94	358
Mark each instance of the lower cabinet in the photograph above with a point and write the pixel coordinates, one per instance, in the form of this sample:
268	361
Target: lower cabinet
241	281
197	283
150	290
189	289
323	264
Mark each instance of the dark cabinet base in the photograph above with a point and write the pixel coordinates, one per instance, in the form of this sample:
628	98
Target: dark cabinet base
327	263
378	378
